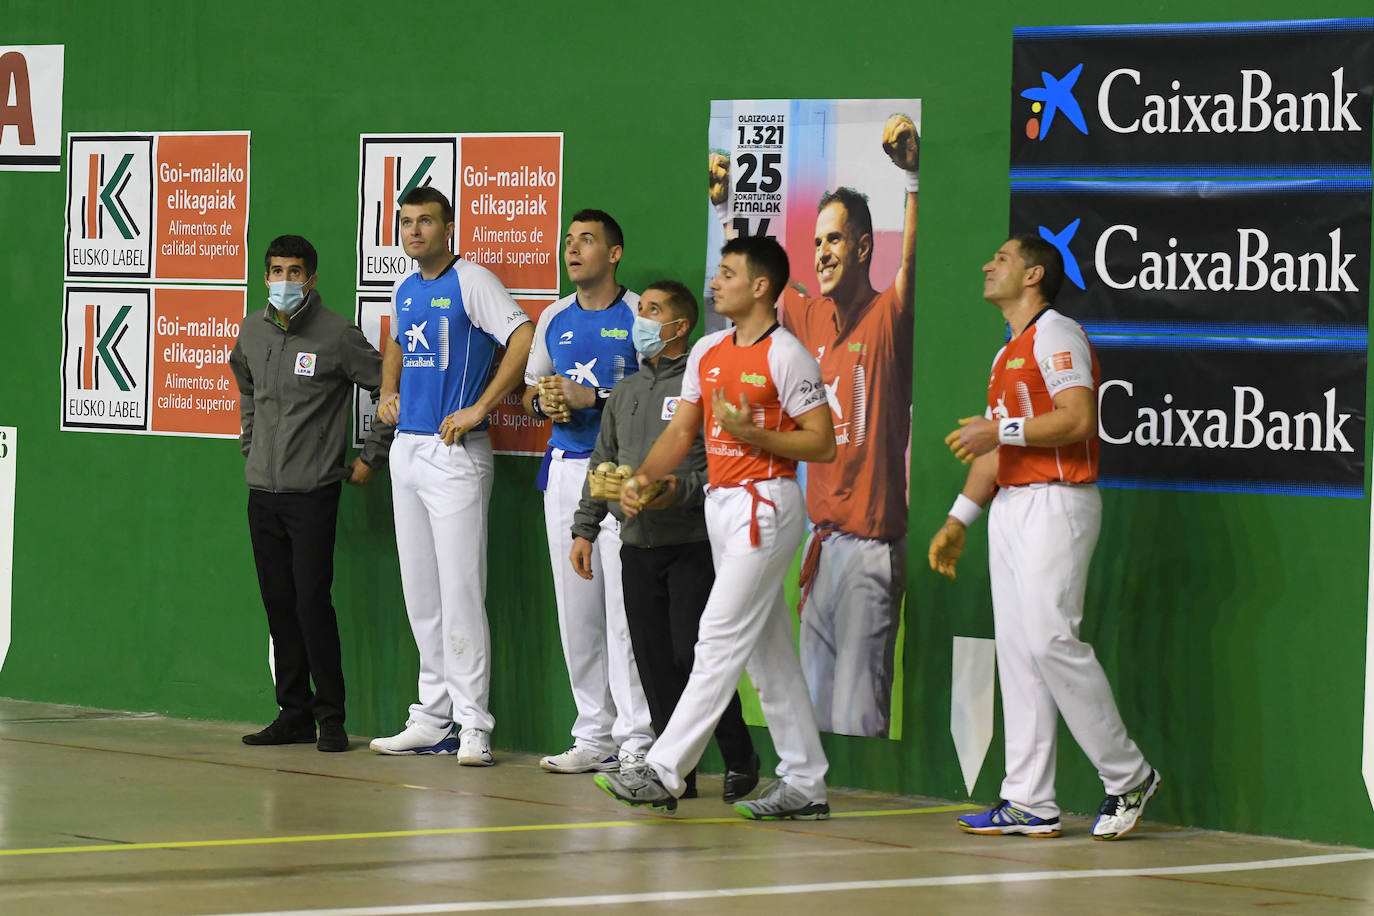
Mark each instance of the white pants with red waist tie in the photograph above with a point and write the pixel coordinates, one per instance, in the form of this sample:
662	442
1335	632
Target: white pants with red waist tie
746	626
1040	542
439	495
612	712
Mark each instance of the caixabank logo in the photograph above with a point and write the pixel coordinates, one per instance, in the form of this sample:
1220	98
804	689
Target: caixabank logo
1292	256
389	168
105	358
109	206
1234	99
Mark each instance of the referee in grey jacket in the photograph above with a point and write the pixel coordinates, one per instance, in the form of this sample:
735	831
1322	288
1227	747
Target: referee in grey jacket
296	363
665	555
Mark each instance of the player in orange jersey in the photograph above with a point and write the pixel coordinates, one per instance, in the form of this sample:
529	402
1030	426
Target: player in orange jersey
758	395
1038	444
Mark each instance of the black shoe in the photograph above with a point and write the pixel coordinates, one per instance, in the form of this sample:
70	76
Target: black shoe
280	732
739	783
332	738
691	786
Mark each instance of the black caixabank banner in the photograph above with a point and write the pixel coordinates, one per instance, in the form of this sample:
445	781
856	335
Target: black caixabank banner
1199	414
1243	99
1282	256
1231	316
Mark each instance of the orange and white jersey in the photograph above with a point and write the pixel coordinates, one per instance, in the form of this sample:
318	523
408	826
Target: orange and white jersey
1049	356
780	379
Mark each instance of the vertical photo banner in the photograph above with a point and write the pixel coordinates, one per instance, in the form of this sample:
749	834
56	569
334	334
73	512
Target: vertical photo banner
193	390
109	206
508	208
31	108
202	207
388	168
835	181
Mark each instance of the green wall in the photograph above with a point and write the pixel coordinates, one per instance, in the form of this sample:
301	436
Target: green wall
1232	626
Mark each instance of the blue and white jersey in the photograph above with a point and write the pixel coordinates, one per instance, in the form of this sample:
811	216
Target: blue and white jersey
449	329
591	348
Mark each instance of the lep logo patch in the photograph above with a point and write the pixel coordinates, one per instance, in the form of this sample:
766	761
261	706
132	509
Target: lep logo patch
305	364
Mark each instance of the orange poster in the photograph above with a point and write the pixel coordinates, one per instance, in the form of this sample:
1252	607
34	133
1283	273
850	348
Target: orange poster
193	390
514	432
510	189
202	206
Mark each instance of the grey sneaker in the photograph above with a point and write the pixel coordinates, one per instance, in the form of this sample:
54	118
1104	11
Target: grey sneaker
632	763
637	787
782	802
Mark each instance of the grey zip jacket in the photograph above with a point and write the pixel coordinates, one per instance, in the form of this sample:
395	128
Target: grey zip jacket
296	395
636	412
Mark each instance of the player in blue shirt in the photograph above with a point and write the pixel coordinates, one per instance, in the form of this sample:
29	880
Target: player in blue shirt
448	320
584	339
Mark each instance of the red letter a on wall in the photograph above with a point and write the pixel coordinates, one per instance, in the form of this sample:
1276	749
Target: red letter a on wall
14	83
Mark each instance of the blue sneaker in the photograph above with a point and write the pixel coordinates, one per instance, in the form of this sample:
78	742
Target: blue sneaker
1008	818
1120	813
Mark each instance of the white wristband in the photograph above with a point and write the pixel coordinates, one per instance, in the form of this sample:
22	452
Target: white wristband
965	510
913	182
723	211
1012	431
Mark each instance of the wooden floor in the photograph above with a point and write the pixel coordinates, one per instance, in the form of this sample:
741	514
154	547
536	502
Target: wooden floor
110	813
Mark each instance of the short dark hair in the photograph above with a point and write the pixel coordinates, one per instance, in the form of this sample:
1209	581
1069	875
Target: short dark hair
420	195
292	246
681	302
1037	252
613	234
763	256
855	206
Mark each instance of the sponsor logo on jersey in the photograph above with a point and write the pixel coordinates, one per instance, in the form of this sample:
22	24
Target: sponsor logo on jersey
617	333
440	303
1061	362
305	364
566	338
753	378
1015	363
582	373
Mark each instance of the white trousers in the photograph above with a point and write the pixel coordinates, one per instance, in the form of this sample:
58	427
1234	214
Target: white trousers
1040	542
439	494
746	626
612	712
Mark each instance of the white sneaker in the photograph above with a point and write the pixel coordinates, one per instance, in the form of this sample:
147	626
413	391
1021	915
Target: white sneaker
578	759
417	739
632	763
1120	813
474	748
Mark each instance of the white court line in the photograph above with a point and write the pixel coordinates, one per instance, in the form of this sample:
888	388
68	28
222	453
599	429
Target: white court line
469	906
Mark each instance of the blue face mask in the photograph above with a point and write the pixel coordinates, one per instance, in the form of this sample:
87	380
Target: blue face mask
646	336
286	296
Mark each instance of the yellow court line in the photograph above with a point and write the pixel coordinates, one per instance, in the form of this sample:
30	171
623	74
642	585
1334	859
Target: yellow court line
444	831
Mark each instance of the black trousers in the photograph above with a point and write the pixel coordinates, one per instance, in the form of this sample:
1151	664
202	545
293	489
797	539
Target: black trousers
293	547
665	592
